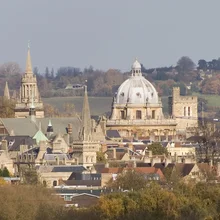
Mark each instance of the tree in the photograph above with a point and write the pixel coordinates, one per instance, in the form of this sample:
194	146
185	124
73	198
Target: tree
202	65
185	65
52	73
30	176
5	172
157	149
6	108
69	109
129	180
47	73
36	71
51	111
100	157
10	69
202	104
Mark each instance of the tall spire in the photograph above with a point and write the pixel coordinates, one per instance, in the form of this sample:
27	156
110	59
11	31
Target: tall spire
28	62
6	91
86	129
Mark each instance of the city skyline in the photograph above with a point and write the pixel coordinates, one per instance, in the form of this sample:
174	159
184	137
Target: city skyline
108	34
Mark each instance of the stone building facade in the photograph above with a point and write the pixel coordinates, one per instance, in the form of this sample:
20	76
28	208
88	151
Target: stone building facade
184	109
29	93
137	110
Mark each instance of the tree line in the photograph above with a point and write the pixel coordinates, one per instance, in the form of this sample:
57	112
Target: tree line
192	201
105	83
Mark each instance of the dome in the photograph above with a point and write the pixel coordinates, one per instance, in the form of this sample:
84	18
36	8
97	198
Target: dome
136	89
136	65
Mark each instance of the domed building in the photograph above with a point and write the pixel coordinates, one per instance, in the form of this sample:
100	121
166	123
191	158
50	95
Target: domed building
137	110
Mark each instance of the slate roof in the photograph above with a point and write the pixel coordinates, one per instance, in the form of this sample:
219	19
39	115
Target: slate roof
14	142
184	169
82	182
24	126
143	164
159	165
68	168
112	134
99	167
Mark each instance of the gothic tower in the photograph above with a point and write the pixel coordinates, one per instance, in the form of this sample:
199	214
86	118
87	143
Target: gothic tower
29	91
85	148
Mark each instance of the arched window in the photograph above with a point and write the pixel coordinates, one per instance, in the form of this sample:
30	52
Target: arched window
138	114
189	111
54	183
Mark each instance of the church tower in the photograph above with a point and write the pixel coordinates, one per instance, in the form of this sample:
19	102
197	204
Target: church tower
85	148
29	91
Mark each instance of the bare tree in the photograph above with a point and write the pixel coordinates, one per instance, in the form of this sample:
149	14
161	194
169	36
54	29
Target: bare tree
10	68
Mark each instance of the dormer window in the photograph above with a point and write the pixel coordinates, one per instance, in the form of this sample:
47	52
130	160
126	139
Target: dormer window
122	94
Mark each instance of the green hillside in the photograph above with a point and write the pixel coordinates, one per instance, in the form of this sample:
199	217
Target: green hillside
98	105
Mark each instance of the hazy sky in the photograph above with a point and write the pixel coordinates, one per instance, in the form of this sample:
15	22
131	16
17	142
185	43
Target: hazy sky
108	34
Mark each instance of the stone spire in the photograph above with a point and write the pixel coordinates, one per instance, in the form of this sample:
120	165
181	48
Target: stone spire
86	128
6	91
28	62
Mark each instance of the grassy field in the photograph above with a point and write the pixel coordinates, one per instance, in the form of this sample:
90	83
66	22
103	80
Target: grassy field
98	105
213	100
101	105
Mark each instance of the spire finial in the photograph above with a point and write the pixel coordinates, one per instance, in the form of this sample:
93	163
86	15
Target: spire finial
28	62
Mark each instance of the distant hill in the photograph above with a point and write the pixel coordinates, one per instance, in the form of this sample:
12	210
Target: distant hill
98	105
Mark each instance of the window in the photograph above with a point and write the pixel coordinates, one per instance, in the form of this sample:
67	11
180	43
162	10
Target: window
189	111
138	114
122	115
54	183
67	198
184	111
153	114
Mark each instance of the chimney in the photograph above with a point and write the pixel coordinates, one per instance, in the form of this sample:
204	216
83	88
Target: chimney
107	165
134	164
211	163
4	145
70	129
114	153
